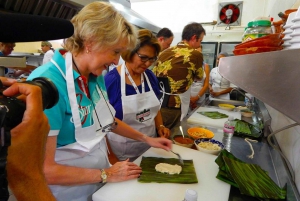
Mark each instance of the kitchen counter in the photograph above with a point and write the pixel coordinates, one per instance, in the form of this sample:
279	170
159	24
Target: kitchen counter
206	170
264	155
207	186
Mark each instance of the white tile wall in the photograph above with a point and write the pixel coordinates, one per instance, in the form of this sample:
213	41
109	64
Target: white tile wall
289	140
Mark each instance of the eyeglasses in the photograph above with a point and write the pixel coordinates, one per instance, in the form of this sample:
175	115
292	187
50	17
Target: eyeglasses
145	58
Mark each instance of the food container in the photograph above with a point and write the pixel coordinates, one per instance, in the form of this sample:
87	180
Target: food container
209	146
197	132
257	29
253	50
227	107
187	141
247	113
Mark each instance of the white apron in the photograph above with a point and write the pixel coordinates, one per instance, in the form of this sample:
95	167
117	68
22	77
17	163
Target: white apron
139	111
89	150
197	86
219	83
184	99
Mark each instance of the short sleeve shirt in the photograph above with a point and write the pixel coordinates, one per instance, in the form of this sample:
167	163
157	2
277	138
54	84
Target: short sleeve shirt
182	65
60	115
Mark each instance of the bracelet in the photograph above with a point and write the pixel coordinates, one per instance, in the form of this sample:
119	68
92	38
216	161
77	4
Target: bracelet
161	126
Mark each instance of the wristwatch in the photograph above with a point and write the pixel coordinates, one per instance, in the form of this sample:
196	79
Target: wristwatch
103	176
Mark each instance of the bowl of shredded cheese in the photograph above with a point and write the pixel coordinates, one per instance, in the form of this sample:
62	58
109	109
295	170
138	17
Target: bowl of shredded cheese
198	132
209	146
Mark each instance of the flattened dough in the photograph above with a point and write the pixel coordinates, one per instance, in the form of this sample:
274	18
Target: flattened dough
168	168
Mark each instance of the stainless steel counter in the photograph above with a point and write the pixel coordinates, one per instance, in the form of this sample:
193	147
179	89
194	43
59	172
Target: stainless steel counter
265	156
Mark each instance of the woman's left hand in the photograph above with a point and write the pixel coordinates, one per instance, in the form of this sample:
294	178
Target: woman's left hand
160	142
164	132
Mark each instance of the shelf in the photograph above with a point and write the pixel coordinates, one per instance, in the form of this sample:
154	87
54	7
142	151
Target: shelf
272	77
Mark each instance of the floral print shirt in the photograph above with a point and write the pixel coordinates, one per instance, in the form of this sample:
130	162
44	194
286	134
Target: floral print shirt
181	64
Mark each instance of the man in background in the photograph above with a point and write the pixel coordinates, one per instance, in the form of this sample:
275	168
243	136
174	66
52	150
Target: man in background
165	38
181	64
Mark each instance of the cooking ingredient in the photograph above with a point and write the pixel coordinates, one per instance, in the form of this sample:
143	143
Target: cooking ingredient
209	146
187	175
168	168
214	115
228	131
182	140
257	29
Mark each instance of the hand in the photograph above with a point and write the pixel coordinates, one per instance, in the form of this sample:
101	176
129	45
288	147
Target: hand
27	144
193	102
215	94
123	171
164	132
162	143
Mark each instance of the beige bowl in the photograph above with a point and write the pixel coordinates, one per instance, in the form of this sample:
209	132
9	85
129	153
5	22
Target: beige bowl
247	113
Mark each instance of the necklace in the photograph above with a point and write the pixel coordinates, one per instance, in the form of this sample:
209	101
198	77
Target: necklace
108	127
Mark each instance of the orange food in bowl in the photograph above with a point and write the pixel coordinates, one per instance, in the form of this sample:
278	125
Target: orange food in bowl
182	140
185	142
197	132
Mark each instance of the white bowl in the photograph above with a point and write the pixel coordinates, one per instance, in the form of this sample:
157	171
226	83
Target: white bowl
287	31
286	38
296	19
294	40
290	18
37	54
294	34
215	142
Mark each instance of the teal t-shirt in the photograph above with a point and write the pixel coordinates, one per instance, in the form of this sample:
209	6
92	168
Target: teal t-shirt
60	115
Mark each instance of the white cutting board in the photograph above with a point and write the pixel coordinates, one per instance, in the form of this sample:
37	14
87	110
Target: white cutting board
206	121
209	188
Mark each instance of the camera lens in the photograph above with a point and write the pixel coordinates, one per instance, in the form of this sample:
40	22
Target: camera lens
49	91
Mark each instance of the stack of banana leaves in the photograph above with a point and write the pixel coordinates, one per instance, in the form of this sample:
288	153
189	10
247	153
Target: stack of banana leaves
250	179
245	129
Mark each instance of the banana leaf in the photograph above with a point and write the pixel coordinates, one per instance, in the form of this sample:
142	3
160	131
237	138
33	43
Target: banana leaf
149	174
244	129
214	115
249	178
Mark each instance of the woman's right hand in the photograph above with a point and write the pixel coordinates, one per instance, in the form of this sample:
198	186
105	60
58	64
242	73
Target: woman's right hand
123	171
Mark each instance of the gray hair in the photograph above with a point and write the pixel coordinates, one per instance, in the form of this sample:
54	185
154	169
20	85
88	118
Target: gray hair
225	54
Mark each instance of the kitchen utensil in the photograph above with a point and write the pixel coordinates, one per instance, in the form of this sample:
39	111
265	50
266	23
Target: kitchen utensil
179	157
181	131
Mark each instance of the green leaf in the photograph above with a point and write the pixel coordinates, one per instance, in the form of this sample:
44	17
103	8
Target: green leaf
149	174
214	115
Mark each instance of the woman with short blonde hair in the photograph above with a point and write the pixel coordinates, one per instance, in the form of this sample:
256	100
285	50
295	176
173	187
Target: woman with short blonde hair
76	160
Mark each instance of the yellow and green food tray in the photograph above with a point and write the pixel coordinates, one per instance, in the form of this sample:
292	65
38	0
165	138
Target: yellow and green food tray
149	174
249	178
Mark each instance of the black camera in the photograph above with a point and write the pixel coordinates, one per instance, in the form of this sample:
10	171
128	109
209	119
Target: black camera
11	114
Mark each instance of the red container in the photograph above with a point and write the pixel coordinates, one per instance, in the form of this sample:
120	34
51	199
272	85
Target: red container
253	50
